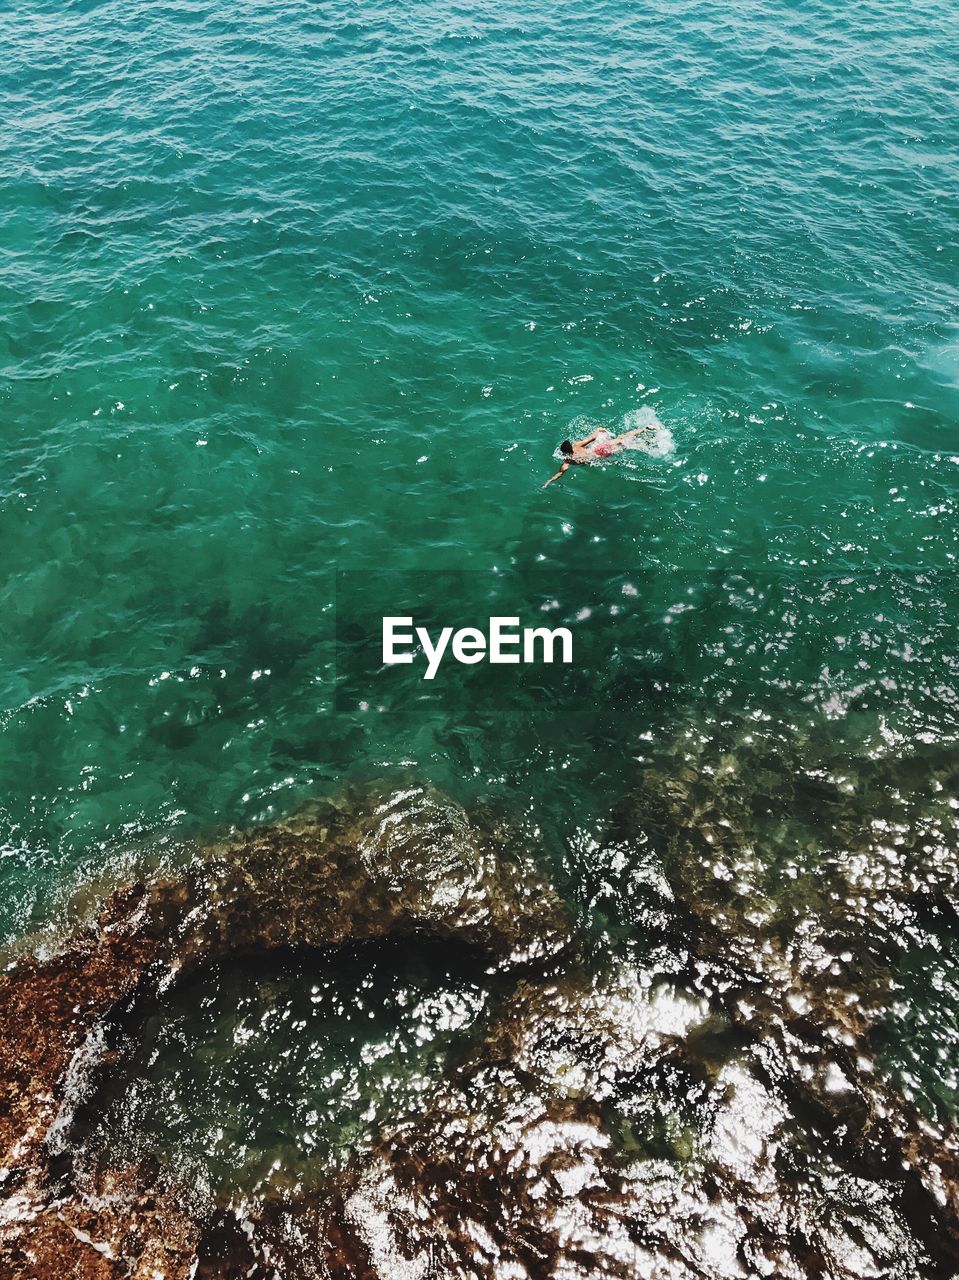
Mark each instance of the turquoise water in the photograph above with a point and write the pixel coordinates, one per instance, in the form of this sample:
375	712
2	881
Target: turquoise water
299	302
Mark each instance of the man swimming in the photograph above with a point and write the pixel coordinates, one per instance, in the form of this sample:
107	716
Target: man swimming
601	444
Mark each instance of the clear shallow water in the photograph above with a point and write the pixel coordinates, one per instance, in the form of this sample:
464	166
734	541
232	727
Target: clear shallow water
291	293
302	1058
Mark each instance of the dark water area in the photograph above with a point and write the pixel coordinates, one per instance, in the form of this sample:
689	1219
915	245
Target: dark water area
260	1074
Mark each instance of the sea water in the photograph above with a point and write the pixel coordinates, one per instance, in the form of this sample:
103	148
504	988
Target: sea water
298	303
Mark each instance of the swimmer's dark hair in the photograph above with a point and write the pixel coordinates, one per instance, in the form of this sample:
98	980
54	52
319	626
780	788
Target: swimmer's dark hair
566	446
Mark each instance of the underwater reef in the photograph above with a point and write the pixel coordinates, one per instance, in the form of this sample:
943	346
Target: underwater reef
677	1071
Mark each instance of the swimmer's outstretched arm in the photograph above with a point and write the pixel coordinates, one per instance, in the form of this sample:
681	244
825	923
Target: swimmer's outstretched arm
564	467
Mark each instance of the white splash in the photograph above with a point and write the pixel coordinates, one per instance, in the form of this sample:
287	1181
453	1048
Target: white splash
657	440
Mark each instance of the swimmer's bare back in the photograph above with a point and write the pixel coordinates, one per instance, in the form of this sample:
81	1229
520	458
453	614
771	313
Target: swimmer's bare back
594	448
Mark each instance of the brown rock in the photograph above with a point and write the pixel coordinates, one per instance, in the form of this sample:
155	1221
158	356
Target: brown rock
410	863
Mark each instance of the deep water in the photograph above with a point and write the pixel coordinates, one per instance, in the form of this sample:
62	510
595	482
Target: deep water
298	302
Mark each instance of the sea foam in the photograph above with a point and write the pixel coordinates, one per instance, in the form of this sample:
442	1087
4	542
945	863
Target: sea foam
657	440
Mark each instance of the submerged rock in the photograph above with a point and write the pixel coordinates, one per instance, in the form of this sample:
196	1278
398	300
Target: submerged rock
124	1223
49	1010
695	1099
361	868
799	881
599	1133
50	1014
409	864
